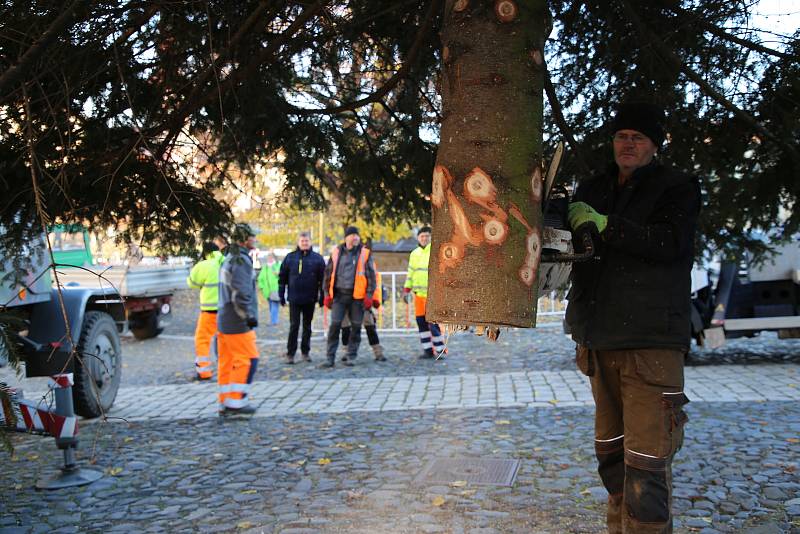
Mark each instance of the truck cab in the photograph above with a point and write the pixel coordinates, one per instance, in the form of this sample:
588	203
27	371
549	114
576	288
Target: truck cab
72	330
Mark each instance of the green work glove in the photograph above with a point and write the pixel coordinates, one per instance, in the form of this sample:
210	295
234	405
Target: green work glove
580	213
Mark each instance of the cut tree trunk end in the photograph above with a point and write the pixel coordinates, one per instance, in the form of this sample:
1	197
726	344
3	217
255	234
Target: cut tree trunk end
487	183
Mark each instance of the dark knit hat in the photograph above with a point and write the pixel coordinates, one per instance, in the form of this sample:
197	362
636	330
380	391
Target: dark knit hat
642	117
242	232
424	230
350	231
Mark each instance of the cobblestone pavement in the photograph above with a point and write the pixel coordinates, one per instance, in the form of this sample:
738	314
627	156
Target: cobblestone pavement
357	473
340	451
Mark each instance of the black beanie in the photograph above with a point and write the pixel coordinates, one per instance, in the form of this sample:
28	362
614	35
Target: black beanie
642	117
350	231
424	229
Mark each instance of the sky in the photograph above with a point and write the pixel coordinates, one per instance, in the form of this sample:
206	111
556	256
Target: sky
781	16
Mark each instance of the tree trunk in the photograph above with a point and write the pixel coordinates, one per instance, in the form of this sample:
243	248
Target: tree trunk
487	183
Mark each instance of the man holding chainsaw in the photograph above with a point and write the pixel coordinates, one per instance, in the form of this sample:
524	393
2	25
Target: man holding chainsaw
629	313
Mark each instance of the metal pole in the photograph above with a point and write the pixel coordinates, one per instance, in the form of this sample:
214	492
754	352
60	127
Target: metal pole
394	298
71	474
321	233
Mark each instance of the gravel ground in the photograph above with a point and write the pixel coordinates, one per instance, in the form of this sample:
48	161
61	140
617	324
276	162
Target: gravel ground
546	348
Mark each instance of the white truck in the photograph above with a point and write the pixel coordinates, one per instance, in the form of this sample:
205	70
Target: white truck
748	298
146	290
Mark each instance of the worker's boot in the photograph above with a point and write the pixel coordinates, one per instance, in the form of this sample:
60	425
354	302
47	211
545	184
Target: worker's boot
377	350
289	359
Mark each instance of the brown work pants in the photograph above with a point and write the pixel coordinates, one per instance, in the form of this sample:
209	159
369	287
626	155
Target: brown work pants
638	429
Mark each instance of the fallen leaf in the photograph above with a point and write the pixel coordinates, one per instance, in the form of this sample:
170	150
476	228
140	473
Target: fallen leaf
18	487
114	471
438	501
324	461
502	422
128	439
244	525
178	374
360	446
469	493
553	401
276	448
249	492
31	456
459	483
793	440
301	462
504	436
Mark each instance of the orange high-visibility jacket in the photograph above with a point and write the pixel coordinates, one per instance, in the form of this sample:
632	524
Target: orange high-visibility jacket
360	287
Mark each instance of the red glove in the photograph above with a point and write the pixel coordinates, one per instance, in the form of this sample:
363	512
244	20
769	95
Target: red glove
328	302
376	304
367	303
406	290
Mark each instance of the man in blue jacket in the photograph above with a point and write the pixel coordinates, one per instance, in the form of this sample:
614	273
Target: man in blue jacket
302	272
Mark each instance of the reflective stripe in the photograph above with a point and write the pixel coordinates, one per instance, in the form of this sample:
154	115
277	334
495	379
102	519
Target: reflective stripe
610	440
642	454
427	345
234	403
239	388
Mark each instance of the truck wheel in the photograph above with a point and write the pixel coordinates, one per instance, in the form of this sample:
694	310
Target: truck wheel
99	369
145	325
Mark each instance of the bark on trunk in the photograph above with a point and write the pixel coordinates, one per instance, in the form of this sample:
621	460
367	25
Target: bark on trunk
487	183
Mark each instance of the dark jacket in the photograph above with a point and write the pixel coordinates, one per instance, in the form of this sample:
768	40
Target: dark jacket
346	270
237	292
302	272
636	294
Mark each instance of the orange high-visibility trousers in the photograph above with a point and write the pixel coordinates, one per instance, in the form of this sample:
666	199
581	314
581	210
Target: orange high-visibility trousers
419	305
203	334
238	359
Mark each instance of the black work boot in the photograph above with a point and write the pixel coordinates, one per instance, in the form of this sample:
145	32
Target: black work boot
306	357
244	410
289	359
327	364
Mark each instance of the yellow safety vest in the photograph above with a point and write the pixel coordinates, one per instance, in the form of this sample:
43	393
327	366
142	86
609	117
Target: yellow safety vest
205	277
417	278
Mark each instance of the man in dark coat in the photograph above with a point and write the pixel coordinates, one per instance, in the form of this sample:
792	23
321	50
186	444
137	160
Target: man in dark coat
302	273
629	315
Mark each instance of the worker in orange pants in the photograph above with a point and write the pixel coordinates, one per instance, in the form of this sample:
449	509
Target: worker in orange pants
237	320
205	277
238	360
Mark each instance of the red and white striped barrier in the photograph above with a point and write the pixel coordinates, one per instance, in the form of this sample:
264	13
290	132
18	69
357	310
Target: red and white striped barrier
25	415
37	419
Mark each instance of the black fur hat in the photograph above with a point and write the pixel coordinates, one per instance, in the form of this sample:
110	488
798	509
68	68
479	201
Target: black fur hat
642	117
